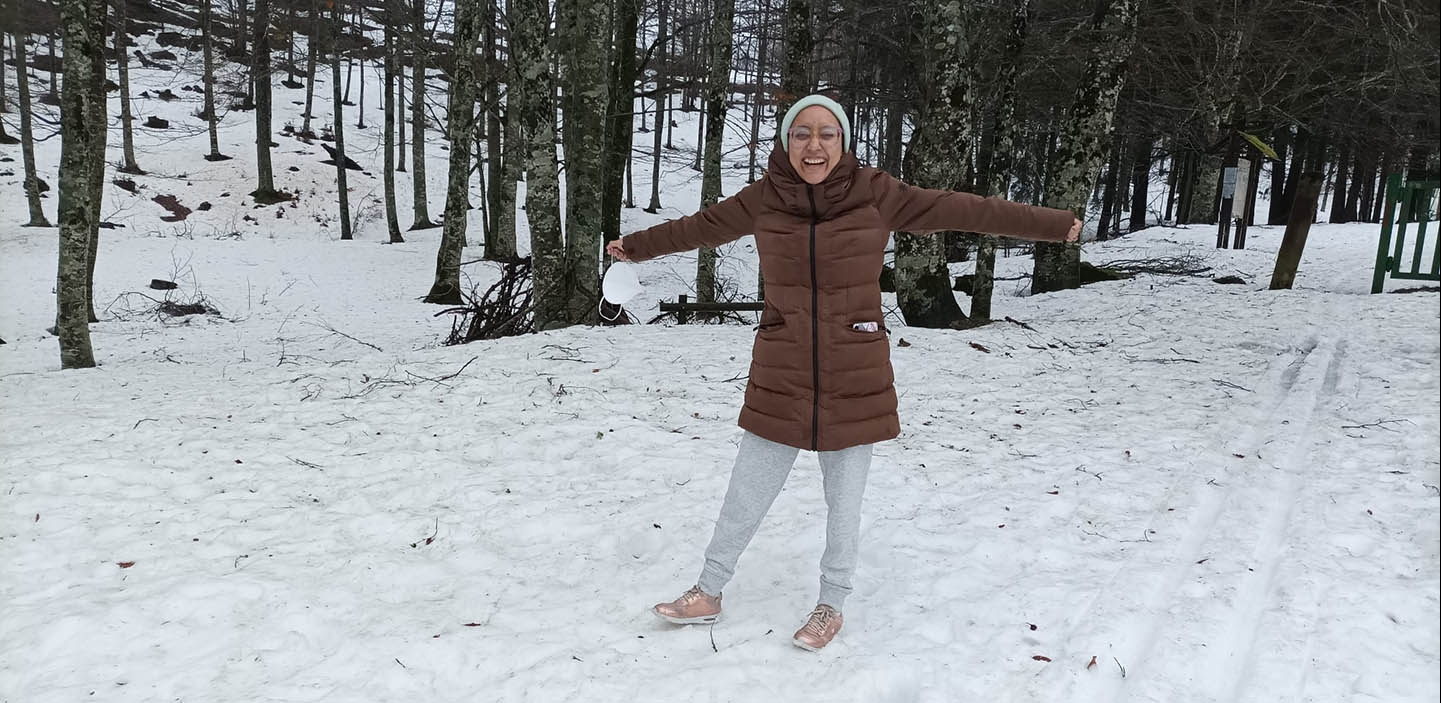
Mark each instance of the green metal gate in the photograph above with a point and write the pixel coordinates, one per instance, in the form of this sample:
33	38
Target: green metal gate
1406	204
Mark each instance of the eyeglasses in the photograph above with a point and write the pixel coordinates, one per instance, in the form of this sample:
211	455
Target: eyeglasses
828	135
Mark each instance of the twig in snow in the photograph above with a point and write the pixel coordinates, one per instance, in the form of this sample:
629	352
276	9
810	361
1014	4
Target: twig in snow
1228	384
1379	424
441	380
1162	361
1118	666
1023	325
143	419
712	638
1082	469
564	354
327	327
429	539
304	463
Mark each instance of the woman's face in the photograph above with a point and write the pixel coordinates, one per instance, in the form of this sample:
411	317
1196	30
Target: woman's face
814	143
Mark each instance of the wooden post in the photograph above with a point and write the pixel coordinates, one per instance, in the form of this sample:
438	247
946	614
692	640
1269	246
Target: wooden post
682	315
1303	211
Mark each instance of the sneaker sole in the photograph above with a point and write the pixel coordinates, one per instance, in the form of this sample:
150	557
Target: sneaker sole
700	620
805	646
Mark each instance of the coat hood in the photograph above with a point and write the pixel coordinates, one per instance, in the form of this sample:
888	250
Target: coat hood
834	195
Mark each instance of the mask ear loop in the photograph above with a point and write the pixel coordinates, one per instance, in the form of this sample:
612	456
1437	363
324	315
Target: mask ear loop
600	310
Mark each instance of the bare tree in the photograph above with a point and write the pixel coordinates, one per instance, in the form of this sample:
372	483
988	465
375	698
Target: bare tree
583	30
531	82
445	290
661	93
1083	140
82	169
122	68
718	83
999	157
311	47
937	158
620	120
342	189
265	192
27	135
419	200
207	49
392	67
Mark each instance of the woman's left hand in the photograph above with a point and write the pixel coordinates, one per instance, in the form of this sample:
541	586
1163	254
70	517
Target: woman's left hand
1075	234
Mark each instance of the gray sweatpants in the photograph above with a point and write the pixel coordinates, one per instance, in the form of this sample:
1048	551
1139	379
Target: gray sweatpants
760	471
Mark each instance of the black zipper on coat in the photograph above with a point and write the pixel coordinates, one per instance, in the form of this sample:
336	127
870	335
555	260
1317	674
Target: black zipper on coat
815	333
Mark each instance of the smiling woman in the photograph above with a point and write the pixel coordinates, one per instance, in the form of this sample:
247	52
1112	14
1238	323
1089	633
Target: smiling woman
820	375
815	132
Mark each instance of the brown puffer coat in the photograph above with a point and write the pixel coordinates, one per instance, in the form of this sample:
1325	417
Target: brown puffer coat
816	383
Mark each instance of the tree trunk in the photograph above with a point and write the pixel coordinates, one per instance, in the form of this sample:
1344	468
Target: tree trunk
662	119
400	113
27	135
1338	187
699	163
511	154
1141	181
310	50
1293	242
795	69
1081	146
895	125
1205	189
4	98
1300	147
1185	181
717	92
1108	192
937	158
585	34
82	168
360	109
461	126
1368	188
531	77
122	70
1281	143
620	121
1361	168
494	149
241	14
758	93
342	190
998	165
264	192
207	41
1173	165
392	66
419	198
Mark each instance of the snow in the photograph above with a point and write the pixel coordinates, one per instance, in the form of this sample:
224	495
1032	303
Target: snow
1219	493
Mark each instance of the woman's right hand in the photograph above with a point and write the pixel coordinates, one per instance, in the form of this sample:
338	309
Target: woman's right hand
616	250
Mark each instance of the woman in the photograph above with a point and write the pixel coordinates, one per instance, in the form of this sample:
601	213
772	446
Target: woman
820	375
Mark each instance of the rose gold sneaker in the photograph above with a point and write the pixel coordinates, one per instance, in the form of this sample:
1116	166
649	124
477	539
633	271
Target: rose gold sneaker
694	607
819	629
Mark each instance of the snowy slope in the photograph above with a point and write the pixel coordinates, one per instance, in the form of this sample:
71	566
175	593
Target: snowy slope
1218	492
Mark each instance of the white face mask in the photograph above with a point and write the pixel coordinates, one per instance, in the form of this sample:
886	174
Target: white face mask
620	284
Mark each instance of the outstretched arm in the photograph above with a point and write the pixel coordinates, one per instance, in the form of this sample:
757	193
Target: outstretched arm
907	208
726	221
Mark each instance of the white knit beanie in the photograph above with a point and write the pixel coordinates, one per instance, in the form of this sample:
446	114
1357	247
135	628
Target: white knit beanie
824	102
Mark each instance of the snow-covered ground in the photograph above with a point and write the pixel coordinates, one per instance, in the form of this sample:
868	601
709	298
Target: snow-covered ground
1213	492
